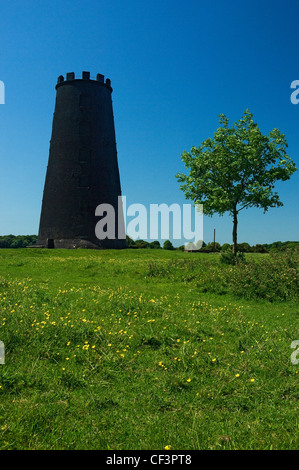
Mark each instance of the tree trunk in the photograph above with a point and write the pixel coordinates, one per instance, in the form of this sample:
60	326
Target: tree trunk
235	222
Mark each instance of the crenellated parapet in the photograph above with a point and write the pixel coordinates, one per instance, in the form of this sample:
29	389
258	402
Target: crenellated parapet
70	76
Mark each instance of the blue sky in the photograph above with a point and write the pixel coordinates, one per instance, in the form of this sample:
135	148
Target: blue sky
175	66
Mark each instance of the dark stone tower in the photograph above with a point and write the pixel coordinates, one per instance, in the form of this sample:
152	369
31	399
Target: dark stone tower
82	169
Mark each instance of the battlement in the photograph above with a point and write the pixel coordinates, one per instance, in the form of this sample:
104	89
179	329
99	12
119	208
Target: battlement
70	76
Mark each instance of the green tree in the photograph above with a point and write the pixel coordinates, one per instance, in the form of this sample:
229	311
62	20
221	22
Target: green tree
236	169
155	244
130	242
259	249
214	246
225	246
167	245
141	244
244	247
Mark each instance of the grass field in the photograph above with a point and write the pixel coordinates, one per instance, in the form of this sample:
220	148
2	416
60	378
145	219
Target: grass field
147	349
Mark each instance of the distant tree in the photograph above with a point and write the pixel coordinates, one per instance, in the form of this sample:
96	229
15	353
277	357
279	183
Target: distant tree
16	244
130	241
237	169
206	248
292	245
155	244
17	241
225	246
276	245
244	247
259	249
214	246
167	245
282	246
141	244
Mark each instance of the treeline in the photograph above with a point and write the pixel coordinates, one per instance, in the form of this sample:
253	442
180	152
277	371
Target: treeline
22	241
142	243
17	241
216	247
247	248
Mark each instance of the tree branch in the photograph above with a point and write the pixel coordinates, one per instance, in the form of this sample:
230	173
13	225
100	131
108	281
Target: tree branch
248	203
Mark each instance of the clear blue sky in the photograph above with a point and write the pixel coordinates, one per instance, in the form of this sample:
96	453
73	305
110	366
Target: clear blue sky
175	66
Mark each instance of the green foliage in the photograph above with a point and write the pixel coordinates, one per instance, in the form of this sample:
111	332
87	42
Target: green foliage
260	277
23	241
244	247
205	249
225	246
155	244
282	246
130	242
259	249
143	349
214	246
276	278
17	241
181	248
227	257
138	243
167	245
237	169
141	244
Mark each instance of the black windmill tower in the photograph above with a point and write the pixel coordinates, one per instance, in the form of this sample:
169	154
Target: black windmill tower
83	169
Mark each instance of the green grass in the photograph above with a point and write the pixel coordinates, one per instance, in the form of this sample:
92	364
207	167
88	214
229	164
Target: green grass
142	349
